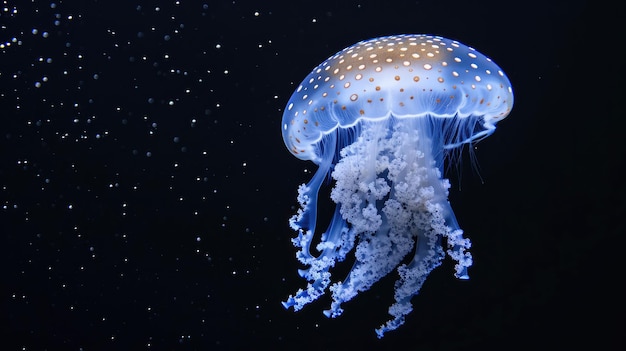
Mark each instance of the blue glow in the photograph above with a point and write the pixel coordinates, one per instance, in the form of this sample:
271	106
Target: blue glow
380	117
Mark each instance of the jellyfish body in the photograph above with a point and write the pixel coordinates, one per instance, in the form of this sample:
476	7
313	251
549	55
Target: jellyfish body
380	117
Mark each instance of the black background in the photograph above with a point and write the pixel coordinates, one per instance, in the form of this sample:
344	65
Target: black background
145	187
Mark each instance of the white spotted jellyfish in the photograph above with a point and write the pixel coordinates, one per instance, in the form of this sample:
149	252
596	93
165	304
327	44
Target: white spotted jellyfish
380	117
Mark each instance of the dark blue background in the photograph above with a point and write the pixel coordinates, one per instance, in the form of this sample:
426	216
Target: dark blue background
145	188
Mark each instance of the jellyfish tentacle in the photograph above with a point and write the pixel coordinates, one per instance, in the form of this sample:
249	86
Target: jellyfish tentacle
304	221
428	256
432	227
458	245
377	255
434	222
362	191
335	241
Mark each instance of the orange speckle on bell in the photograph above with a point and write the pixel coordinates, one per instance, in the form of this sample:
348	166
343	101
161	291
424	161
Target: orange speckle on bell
361	112
306	121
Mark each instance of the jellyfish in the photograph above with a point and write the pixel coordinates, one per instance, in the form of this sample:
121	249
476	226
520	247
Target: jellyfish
379	119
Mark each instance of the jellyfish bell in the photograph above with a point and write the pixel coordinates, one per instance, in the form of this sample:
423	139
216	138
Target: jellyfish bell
380	117
404	76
